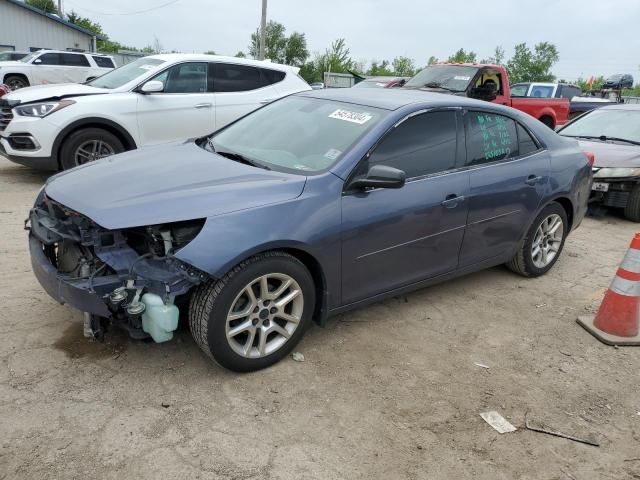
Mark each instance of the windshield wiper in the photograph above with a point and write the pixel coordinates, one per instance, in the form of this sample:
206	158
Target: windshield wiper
604	138
240	158
438	85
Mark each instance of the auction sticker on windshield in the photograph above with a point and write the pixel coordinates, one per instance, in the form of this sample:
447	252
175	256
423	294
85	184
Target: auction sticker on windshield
348	116
461	77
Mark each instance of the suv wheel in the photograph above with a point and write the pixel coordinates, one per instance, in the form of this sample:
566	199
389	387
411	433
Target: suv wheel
632	209
88	145
16	82
543	244
253	316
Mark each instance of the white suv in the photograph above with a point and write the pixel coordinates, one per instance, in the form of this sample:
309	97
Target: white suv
52	66
153	100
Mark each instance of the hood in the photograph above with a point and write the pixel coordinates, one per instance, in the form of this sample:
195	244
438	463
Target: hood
613	154
53	92
168	183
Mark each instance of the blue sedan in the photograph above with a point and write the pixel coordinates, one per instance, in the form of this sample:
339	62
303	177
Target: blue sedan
318	203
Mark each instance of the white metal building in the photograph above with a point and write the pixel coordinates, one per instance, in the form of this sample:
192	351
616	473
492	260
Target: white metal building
24	28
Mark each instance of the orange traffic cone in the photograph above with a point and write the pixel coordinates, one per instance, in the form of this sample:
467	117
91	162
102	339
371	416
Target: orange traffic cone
618	319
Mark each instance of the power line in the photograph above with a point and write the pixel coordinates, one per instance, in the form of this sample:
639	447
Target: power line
125	13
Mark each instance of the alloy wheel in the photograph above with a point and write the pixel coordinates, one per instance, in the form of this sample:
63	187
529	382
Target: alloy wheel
547	240
92	150
264	315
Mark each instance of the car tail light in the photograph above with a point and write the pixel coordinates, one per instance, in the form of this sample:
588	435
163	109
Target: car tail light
591	158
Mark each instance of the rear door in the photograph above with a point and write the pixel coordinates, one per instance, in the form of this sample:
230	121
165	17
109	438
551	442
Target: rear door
508	174
183	109
240	89
396	237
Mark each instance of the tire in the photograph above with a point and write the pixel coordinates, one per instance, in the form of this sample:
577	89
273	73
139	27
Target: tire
524	263
213	304
16	82
548	121
106	144
632	209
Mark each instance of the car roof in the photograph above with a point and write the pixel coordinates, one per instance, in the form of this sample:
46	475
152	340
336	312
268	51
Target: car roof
391	99
175	57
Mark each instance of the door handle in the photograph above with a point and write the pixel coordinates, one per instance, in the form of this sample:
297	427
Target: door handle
452	201
203	105
532	180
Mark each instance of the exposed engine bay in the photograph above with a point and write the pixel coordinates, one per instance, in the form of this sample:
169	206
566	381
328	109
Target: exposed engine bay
133	271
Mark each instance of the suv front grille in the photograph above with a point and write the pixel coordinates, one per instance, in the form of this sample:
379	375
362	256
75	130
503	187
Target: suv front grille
6	115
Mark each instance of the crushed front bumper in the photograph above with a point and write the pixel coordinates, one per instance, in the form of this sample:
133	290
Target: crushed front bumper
78	294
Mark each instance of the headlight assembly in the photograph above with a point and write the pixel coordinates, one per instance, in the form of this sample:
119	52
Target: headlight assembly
617	173
41	110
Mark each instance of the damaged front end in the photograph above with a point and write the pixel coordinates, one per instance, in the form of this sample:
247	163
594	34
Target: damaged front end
128	278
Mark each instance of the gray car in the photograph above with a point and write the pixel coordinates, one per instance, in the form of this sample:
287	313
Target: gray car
311	206
612	134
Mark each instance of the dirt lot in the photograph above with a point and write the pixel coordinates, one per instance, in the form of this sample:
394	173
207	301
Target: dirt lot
390	391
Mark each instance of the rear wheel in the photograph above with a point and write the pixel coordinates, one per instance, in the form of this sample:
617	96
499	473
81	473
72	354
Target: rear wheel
88	145
16	82
256	314
632	210
543	244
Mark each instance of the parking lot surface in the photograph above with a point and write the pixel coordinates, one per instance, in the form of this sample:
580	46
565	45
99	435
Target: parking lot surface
391	391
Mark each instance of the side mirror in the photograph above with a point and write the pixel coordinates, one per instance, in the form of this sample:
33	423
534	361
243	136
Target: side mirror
380	176
37	61
152	86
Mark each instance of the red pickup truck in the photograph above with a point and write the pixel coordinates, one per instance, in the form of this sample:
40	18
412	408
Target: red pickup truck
490	83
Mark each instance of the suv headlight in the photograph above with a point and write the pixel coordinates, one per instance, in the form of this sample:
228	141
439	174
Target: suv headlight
617	173
41	110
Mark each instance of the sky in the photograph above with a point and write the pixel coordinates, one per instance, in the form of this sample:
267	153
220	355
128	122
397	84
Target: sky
593	37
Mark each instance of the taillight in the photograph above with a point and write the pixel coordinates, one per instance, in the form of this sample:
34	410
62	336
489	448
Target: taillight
591	158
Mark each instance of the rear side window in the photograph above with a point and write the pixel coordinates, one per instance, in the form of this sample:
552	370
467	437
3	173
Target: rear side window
526	142
236	78
104	62
421	145
271	76
50	59
570	92
74	60
490	138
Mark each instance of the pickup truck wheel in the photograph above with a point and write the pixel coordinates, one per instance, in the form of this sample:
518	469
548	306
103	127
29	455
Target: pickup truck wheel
548	121
88	145
632	209
254	315
16	82
543	244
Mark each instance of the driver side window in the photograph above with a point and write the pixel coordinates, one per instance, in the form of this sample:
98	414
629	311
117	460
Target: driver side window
184	78
422	145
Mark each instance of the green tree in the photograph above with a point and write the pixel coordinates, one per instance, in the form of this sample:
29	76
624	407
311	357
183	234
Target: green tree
432	60
335	58
528	66
210	52
47	6
461	56
309	72
240	54
380	69
497	58
279	48
403	67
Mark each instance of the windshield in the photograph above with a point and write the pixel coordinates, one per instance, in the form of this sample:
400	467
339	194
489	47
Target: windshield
618	123
126	73
298	134
29	57
451	77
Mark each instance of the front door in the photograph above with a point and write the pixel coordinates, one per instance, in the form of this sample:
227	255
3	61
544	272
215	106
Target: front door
508	174
47	68
182	110
396	237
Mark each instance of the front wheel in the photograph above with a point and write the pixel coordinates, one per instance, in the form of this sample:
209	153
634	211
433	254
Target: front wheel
16	82
632	209
256	314
88	145
543	244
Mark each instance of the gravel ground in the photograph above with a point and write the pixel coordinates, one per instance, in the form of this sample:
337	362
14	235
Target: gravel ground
390	391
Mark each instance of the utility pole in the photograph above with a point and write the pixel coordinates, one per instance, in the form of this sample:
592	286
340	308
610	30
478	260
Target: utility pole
60	13
263	30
